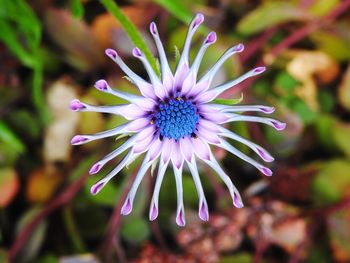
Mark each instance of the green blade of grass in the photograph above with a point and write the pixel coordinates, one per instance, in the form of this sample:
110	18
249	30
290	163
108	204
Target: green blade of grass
180	12
131	30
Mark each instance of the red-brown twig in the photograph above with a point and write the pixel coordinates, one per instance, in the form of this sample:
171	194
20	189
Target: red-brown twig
255	45
60	200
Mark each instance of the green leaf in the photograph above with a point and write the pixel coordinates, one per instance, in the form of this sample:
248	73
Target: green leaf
176	9
341	132
286	82
229	101
18	21
323	127
77	8
135	230
327	100
48	258
190	192
323	7
109	196
239	258
269	14
331	182
82	167
305	113
131	30
3	256
26	123
333	44
10	138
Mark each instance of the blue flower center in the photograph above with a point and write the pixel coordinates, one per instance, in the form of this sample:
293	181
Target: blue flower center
176	118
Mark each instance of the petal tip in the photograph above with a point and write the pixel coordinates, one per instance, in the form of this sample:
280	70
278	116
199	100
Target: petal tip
153	212
266	171
76	105
136	52
127	207
101	85
199	18
180	219
267	109
111	53
78	139
239	47
265	156
279	125
237	202
153	28
259	70
211	38
96	188
95	168
203	212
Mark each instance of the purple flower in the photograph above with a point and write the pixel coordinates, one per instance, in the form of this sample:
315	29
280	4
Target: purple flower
175	120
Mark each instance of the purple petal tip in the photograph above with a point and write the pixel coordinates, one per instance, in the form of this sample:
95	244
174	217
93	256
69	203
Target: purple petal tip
279	125
101	85
127	207
266	171
237	201
153	28
180	219
198	20
154	212
95	168
259	70
111	53
96	188
211	38
136	52
267	110
203	212
76	105
77	139
239	48
265	156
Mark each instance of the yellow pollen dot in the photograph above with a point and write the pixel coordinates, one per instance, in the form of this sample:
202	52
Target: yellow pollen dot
178	98
152	121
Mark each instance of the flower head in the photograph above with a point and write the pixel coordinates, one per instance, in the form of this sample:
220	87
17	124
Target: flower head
175	120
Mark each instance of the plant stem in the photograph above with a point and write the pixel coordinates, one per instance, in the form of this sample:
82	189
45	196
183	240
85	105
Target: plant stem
131	30
72	230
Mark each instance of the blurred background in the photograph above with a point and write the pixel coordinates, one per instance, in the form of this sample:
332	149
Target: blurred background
53	51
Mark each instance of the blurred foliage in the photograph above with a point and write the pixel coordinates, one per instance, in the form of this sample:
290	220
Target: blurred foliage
53	51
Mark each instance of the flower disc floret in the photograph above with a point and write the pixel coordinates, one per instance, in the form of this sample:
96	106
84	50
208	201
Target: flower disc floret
177	118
